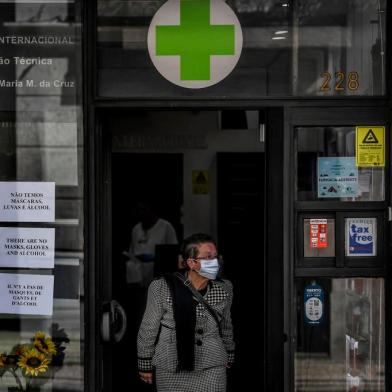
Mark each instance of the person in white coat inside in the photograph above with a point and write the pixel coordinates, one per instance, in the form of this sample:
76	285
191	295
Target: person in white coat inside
150	231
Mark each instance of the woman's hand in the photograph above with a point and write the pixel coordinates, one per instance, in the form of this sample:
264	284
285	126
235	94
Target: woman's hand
146	377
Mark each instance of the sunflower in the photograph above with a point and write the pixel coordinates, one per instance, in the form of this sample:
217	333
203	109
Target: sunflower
44	343
19	349
33	362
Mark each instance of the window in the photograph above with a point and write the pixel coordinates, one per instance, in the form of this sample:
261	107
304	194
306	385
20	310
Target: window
341	335
41	174
327	167
290	48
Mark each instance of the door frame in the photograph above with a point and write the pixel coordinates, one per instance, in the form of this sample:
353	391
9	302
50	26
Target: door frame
278	358
98	243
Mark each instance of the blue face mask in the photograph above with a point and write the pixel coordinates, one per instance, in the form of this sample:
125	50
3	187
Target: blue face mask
209	268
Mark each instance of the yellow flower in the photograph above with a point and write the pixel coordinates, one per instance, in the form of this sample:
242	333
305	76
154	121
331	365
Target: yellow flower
44	343
19	349
33	362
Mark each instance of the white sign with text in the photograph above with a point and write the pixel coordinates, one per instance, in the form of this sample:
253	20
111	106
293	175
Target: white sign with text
27	201
22	247
26	294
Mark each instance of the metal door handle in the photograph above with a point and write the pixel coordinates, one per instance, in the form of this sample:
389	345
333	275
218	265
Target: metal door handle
105	327
114	322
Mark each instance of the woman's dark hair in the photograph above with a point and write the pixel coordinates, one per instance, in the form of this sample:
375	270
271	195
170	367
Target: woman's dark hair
189	247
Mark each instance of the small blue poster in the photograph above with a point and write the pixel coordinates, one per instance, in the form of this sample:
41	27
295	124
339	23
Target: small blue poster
337	177
314	304
361	237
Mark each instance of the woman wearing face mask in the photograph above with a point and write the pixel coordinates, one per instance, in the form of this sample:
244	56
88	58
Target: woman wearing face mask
186	336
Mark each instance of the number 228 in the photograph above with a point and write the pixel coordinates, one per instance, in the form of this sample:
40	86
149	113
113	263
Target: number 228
340	78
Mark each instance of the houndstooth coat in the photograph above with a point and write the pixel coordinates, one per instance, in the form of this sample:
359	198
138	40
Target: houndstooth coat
212	351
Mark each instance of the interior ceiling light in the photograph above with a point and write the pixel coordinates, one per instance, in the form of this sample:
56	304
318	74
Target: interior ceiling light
280	37
285	4
281	32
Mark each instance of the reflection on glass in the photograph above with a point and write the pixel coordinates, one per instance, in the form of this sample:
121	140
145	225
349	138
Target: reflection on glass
41	140
301	47
346	351
41	55
327	169
341	47
125	69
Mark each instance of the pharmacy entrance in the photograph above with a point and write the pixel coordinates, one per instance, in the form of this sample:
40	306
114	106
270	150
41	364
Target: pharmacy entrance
199	171
297	199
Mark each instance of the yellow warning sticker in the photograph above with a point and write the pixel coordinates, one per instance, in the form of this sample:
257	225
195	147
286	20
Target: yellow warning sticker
200	184
370	146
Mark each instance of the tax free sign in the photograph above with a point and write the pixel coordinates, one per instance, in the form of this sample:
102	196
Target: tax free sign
195	43
361	237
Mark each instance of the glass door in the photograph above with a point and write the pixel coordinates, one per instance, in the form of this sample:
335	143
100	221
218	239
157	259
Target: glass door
341	249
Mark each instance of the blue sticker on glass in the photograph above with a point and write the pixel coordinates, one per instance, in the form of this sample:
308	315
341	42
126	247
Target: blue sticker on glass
361	237
314	304
337	177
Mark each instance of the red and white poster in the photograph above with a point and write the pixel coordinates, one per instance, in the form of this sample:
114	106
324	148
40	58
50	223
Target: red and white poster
318	233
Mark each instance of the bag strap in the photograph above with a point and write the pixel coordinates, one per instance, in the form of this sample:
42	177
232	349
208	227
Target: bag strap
201	299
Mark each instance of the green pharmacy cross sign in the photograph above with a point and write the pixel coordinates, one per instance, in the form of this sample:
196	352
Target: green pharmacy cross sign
195	43
195	40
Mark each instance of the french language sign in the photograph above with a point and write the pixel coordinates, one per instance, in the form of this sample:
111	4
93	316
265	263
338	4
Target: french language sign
27	201
26	294
27	247
361	237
